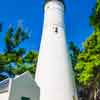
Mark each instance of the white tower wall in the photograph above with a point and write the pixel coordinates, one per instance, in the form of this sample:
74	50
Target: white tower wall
54	72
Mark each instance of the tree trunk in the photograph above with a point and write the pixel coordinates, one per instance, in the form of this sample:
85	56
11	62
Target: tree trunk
93	88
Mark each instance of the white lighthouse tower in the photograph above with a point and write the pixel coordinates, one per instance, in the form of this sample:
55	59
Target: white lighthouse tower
54	73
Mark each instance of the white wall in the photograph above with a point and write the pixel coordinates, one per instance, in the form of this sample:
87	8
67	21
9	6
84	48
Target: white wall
4	96
24	86
54	72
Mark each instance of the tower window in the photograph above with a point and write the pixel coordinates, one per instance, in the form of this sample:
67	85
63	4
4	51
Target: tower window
56	30
25	98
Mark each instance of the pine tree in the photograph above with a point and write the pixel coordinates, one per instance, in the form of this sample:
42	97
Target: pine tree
14	60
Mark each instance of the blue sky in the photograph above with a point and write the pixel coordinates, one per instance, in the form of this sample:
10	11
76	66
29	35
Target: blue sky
31	13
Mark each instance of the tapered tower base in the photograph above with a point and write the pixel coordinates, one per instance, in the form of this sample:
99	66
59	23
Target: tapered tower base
54	72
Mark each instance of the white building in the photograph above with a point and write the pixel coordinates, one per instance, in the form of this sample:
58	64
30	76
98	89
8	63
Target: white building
54	73
22	87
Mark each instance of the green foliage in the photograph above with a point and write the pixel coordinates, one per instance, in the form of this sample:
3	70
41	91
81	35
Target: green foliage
23	68
87	68
74	52
31	57
27	63
95	17
14	38
88	65
14	60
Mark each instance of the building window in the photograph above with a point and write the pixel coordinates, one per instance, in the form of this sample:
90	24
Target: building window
56	29
25	98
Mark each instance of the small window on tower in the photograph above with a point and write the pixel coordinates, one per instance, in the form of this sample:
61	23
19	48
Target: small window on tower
56	30
25	98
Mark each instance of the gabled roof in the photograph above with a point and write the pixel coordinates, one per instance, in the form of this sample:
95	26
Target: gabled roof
26	75
4	85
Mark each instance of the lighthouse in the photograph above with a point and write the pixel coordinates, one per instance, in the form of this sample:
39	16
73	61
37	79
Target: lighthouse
54	73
